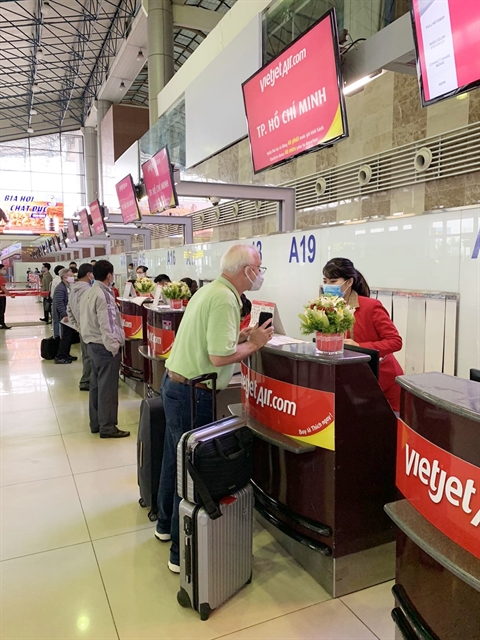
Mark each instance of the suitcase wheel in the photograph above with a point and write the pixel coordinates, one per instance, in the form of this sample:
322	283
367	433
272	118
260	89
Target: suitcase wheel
249	581
152	516
183	599
204	611
142	503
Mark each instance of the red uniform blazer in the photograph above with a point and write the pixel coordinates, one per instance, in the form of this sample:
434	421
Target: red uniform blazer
373	329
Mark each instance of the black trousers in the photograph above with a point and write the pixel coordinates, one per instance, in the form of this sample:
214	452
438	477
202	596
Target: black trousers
3	304
65	341
47	305
103	400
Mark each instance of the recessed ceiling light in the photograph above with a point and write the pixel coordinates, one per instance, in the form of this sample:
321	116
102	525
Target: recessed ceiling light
40	54
122	85
46	8
140	56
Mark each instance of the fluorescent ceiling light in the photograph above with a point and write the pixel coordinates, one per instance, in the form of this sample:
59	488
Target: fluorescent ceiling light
359	84
33	112
30	130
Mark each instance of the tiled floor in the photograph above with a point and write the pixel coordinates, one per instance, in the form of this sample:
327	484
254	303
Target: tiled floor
78	557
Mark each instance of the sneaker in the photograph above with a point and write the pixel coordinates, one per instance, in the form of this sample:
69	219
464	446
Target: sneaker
84	388
174	568
73	358
163	537
116	434
63	361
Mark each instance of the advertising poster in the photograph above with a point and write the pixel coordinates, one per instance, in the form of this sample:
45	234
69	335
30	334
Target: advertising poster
443	488
447	34
97	218
127	200
157	174
29	214
295	103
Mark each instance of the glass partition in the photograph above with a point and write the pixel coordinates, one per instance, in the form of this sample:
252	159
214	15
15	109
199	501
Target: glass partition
168	130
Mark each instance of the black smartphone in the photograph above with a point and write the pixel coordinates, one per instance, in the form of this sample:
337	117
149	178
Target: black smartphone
263	317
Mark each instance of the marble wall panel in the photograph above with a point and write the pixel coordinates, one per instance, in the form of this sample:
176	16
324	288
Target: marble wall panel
349	210
474	106
228	165
408	199
376	204
448	115
313	219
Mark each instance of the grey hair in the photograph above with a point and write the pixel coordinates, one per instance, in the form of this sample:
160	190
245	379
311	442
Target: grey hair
237	257
63	272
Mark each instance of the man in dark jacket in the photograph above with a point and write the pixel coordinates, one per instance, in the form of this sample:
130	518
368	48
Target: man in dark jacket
46	284
60	303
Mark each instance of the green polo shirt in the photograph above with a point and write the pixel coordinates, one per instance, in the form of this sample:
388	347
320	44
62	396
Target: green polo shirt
210	327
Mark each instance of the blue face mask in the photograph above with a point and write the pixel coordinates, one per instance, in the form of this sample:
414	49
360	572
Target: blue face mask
333	289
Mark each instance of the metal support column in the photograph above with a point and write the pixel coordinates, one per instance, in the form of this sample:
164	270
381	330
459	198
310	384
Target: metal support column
90	151
102	107
160	51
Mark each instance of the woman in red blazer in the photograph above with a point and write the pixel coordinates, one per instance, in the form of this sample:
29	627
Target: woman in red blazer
373	328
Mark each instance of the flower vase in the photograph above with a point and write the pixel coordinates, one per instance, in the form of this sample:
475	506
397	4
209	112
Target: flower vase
185	302
175	304
329	344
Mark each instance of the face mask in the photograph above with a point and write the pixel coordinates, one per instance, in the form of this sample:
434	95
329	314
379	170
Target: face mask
70	279
333	289
257	283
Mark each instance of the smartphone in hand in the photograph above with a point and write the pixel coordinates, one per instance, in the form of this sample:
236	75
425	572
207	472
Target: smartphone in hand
263	317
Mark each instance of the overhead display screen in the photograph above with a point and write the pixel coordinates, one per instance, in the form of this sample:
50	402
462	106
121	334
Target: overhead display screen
97	217
71	231
295	103
447	42
86	231
158	177
128	200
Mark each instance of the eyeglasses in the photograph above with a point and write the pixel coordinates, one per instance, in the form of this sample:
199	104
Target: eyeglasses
260	269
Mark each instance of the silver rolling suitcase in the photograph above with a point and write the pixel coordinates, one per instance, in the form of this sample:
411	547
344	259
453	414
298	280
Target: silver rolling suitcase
215	555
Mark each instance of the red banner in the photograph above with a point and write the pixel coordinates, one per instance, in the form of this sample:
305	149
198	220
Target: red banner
132	325
160	341
127	200
295	103
97	218
443	488
299	412
157	174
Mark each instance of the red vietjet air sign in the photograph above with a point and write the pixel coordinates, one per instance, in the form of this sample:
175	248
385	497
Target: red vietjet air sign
132	325
299	412
160	341
443	488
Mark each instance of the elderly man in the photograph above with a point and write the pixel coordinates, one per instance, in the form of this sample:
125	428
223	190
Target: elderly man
60	302
208	341
79	288
103	334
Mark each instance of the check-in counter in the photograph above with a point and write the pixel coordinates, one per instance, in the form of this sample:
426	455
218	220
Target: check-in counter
437	579
134	318
162	324
324	462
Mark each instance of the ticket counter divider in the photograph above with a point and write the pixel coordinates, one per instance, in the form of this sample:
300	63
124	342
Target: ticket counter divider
321	491
437	590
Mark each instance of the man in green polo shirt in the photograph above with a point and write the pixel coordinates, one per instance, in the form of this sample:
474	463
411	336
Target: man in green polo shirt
208	341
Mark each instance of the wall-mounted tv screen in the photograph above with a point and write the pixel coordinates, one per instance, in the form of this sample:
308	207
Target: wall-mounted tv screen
86	231
295	103
128	200
56	243
159	184
97	217
72	231
447	43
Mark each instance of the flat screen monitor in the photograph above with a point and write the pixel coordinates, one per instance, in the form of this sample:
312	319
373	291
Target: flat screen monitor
72	231
295	103
56	243
159	184
128	200
84	223
475	375
97	217
374	357
447	44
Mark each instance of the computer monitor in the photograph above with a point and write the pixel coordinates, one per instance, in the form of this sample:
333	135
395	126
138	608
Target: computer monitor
475	375
374	357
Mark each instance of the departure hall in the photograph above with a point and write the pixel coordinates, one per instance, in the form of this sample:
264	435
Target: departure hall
240	319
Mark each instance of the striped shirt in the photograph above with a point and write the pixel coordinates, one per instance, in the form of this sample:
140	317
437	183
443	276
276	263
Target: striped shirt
210	327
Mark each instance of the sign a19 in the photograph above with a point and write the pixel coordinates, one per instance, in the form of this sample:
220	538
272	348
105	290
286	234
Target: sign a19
304	250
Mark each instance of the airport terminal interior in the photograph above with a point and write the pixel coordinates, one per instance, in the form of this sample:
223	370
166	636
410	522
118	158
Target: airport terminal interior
273	207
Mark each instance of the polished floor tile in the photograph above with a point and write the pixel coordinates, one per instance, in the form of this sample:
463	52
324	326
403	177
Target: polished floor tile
110	501
373	606
32	423
88	452
74	418
20	401
327	621
27	460
142	591
56	595
40	516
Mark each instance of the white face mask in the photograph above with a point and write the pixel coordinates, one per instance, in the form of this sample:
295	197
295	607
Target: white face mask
70	279
257	283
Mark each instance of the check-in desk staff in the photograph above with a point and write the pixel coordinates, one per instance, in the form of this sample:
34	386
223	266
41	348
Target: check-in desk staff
373	327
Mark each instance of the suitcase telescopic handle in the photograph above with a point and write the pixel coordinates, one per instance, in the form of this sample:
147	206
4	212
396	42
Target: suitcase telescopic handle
212	377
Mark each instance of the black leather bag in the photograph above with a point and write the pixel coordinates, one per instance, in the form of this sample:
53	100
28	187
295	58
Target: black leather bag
49	348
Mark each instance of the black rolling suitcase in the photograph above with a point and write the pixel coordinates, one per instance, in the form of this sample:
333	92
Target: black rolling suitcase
151	436
49	348
214	465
